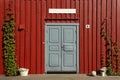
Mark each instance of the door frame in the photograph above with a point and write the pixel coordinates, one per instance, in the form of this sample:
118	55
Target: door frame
77	45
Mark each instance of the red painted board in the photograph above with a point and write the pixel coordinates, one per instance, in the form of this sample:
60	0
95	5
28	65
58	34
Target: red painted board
114	20
59	6
68	6
27	34
86	35
22	21
1	35
76	4
98	45
81	40
42	36
118	22
94	35
63	6
38	37
114	25
49	6
90	35
53	4
103	16
33	37
17	37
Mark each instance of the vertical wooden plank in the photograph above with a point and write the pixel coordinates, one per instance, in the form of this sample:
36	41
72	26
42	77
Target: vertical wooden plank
33	37
114	24
1	61
118	25
81	40
90	36
43	33
86	35
109	23
48	15
68	6
12	2
103	15
94	35
6	3
6	6
114	20
53	6
98	45
27	34
118	22
65	15
109	16
1	34
38	36
63	6
59	6
76	4
22	42
1	7
17	37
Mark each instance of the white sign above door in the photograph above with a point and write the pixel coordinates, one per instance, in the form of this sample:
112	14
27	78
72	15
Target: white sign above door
62	11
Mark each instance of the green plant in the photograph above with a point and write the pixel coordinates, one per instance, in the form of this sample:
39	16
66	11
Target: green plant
112	51
9	44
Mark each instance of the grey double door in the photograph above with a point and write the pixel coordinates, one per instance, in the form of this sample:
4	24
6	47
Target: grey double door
61	48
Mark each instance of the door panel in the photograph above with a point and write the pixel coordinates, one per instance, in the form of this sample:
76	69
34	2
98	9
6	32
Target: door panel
68	60
54	35
54	60
53	48
68	34
61	48
69	48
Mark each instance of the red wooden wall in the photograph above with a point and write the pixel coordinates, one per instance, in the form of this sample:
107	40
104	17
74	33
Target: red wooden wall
33	14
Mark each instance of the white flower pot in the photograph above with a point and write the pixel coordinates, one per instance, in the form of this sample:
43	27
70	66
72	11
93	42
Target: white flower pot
93	73
23	71
103	74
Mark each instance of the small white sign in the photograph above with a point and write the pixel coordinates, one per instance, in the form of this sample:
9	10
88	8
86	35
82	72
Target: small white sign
87	25
62	11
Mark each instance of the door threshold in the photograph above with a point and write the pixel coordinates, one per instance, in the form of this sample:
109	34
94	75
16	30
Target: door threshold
61	72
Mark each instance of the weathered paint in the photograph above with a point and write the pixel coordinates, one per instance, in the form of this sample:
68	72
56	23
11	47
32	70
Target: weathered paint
33	14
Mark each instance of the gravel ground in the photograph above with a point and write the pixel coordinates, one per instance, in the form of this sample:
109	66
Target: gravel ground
59	77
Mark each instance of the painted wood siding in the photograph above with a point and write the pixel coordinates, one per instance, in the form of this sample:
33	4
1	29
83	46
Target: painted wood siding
32	16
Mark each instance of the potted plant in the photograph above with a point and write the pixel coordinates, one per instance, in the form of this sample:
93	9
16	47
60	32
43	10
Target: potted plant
103	71
23	71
